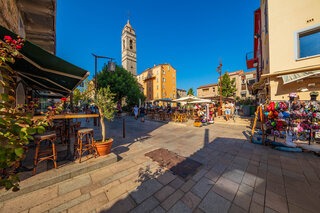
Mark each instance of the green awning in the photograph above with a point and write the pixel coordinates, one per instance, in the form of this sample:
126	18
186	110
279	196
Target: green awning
45	71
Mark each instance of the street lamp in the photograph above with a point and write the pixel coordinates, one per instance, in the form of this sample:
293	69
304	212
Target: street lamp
111	67
219	71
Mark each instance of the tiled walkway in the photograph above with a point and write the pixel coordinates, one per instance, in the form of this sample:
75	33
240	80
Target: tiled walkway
237	177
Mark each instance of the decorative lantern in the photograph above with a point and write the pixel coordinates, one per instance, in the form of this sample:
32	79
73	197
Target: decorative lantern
111	66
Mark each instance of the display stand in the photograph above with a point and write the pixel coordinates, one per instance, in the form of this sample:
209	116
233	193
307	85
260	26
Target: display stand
258	112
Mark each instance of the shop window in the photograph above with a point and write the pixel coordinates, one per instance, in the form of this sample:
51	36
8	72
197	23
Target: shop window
308	42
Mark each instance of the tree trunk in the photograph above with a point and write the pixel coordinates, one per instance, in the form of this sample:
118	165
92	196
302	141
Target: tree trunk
103	127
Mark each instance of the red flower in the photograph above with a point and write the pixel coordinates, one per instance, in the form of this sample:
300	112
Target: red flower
8	38
18	47
63	99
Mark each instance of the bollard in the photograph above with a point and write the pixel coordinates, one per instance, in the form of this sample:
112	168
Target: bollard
124	128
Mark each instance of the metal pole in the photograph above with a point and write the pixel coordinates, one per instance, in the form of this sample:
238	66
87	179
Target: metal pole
123	128
96	86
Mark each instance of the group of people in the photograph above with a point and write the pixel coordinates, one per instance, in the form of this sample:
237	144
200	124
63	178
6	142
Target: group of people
139	111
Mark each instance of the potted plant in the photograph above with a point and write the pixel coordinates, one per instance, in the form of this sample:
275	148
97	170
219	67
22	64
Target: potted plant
106	105
314	95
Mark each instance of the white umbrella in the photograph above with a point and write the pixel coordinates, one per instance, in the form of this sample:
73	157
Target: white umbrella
200	101
187	99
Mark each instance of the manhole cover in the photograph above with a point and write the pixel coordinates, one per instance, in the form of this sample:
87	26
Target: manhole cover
181	166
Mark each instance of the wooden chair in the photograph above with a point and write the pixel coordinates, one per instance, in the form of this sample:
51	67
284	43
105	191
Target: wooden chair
84	145
41	156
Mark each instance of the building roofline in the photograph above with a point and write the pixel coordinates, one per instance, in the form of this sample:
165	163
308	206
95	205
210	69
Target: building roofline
208	85
157	66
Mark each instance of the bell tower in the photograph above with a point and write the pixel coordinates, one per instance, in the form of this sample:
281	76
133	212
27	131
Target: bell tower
128	49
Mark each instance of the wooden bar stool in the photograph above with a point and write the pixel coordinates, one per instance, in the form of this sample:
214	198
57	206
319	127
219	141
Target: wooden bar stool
51	155
85	145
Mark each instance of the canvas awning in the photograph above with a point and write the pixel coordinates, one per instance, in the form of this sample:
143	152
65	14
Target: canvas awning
45	71
297	76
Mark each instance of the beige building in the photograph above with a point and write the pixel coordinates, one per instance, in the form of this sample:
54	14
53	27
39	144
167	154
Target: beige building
243	82
247	80
181	93
287	48
208	91
34	20
236	76
159	82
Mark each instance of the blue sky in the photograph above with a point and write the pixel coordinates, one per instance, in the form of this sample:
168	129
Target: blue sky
190	35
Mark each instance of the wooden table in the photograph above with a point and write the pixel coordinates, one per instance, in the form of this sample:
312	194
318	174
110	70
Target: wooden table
67	118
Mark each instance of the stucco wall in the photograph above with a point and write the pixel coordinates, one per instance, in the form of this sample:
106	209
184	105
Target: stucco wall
157	90
285	18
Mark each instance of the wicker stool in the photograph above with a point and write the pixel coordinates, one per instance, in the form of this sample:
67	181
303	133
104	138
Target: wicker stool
51	155
84	146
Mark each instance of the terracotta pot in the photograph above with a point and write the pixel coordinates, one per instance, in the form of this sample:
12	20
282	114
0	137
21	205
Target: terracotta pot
104	148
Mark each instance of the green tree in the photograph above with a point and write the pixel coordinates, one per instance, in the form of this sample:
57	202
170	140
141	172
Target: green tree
76	97
106	105
123	84
228	86
190	91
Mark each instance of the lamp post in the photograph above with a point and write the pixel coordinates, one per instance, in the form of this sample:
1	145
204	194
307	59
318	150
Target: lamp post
112	69
219	70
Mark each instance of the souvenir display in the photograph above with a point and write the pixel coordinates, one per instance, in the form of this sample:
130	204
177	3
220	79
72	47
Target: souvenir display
293	121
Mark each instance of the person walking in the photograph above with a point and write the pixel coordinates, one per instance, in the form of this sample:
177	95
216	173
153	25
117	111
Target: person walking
136	111
227	110
142	112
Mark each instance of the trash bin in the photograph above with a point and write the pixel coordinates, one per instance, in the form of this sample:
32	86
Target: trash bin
252	109
246	110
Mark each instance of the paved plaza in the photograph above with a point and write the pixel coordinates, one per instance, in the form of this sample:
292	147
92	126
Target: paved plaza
236	176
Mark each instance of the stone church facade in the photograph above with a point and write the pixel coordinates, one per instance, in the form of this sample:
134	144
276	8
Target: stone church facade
128	49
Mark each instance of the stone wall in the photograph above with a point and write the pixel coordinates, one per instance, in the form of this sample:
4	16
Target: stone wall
10	17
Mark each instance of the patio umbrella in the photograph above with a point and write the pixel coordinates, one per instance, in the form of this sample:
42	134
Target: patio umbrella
188	99
200	101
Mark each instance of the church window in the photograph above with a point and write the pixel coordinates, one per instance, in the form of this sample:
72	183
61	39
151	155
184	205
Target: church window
124	44
130	44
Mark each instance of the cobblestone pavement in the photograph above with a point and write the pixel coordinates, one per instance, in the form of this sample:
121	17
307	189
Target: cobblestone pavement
237	176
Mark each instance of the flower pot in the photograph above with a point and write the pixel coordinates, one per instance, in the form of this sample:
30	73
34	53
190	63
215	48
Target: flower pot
104	148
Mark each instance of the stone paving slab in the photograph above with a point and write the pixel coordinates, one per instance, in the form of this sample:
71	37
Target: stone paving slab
237	176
